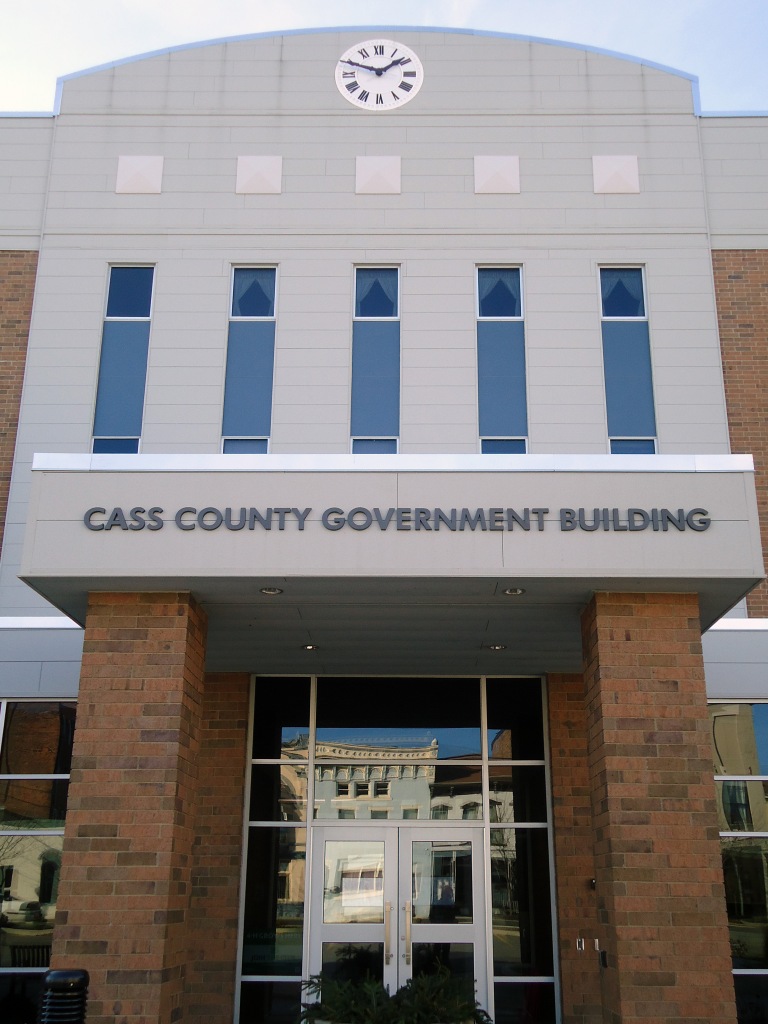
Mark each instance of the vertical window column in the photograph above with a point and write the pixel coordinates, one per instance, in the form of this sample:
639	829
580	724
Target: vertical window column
375	407
502	405
247	420
627	362
117	421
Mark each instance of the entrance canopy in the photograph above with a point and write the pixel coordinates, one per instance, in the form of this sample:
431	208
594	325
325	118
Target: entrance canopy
460	564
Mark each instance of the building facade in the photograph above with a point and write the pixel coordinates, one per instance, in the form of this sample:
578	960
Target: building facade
382	485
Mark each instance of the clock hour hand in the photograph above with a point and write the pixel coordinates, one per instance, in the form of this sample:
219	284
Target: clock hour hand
392	64
365	67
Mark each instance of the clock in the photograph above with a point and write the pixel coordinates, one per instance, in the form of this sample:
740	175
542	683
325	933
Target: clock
379	74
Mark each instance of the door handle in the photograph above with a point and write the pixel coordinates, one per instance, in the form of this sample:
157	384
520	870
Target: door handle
408	932
387	932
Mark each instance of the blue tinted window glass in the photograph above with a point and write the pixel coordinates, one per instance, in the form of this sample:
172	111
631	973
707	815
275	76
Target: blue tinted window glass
248	387
498	292
253	291
632	446
122	376
622	291
628	382
374	446
376	292
246	445
501	379
375	380
503	446
115	445
130	291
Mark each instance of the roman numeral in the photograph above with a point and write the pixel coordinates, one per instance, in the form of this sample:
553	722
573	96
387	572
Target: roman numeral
364	96
405	60
394	94
409	74
347	74
379	99
364	54
352	86
393	52
378	51
405	86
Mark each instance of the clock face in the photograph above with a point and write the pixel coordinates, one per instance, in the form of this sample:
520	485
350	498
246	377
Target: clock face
379	74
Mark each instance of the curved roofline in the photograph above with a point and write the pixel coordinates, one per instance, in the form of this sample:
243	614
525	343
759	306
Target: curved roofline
693	79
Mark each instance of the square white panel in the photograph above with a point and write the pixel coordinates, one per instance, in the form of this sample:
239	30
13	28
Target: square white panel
259	175
497	174
377	175
615	174
139	174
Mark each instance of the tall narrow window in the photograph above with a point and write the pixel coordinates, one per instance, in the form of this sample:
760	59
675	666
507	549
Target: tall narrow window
247	420
375	413
119	411
627	362
502	407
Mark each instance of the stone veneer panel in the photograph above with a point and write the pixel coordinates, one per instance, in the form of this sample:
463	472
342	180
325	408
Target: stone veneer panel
127	890
660	897
17	284
741	289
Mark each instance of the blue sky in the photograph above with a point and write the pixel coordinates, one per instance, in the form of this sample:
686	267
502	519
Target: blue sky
723	44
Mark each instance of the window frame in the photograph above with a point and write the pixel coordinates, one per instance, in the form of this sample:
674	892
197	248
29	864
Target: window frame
252	266
500	266
376	266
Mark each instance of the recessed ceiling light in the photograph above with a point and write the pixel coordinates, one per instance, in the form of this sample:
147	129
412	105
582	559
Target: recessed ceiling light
497	647
513	591
271	591
309	647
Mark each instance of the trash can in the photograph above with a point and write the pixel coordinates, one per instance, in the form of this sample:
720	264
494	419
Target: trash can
65	994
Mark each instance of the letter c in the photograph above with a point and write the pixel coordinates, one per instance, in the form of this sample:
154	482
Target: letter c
87	518
180	522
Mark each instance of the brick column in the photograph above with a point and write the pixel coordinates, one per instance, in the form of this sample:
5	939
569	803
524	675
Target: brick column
217	851
574	856
126	871
661	902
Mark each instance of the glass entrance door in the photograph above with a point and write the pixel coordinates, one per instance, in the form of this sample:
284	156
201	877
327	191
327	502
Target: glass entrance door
394	902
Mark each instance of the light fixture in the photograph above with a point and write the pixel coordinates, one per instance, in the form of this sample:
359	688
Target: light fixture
513	591
271	591
309	647
497	647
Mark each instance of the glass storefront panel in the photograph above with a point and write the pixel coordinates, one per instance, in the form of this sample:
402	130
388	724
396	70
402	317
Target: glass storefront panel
281	728
457	957
442	882
274	901
278	792
353	961
354	882
515	720
33	803
402	792
270	1002
745	871
366	716
529	1003
751	998
517	793
37	738
742	805
739	738
20	996
520	901
30	867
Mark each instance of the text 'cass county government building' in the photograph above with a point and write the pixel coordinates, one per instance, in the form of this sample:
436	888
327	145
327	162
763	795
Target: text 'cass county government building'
381	429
